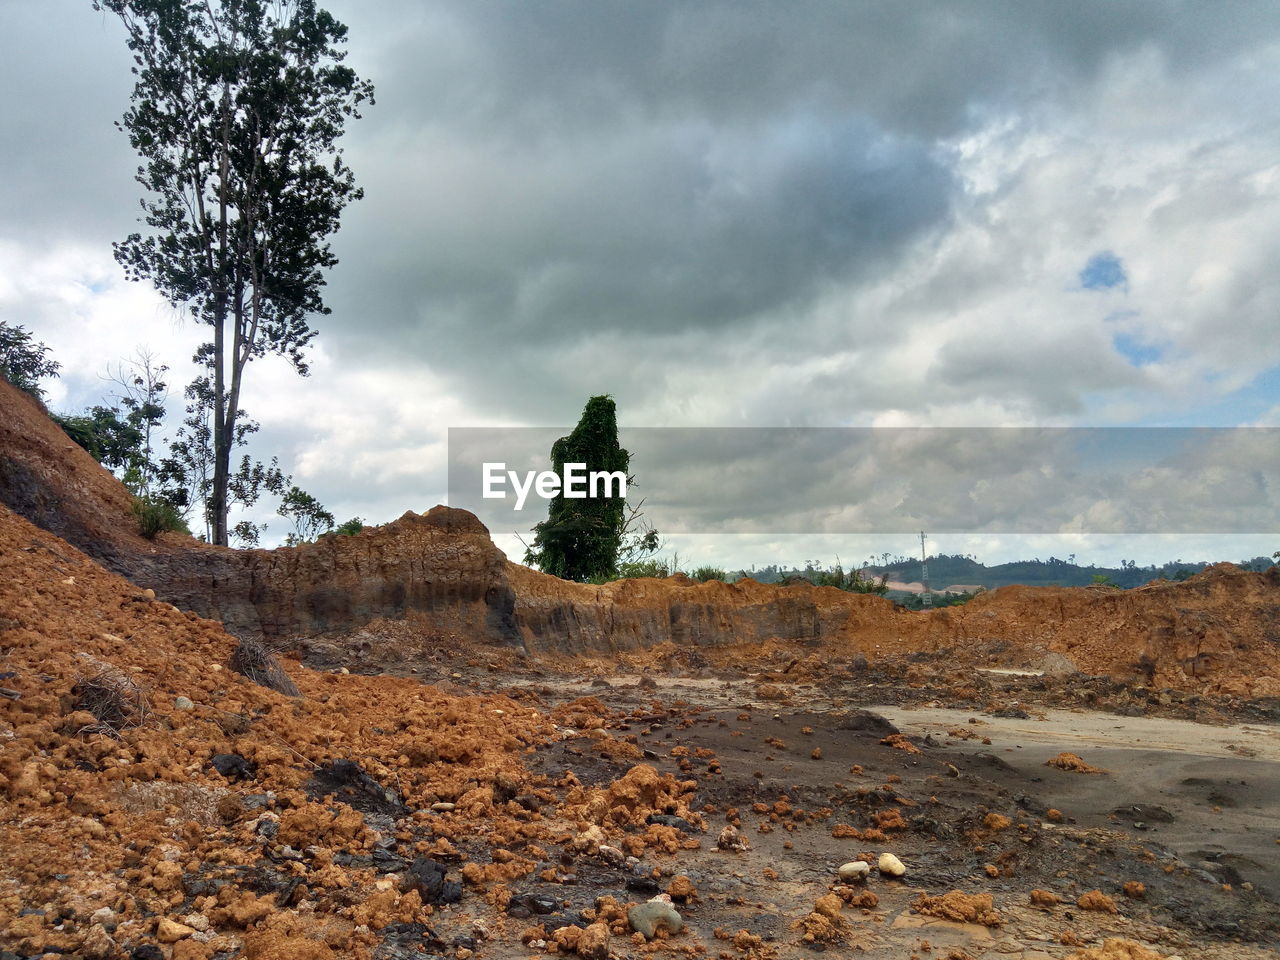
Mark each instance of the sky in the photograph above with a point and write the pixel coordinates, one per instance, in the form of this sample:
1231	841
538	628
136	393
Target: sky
745	214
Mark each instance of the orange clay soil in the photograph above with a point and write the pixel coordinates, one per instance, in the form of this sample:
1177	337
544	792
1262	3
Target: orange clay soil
91	820
1213	634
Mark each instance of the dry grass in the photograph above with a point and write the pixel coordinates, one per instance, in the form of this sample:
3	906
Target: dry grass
115	699
256	661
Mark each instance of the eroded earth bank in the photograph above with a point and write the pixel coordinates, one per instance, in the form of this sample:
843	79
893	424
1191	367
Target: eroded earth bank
398	745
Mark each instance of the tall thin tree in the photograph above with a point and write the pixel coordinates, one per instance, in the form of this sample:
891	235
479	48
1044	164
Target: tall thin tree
236	114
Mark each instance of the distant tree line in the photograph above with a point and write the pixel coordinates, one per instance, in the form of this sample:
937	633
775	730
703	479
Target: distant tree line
170	477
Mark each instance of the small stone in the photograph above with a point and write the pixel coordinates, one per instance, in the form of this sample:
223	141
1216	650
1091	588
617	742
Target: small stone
593	942
647	918
444	807
854	872
98	945
148	594
233	766
183	703
170	931
682	890
731	839
891	866
611	855
428	878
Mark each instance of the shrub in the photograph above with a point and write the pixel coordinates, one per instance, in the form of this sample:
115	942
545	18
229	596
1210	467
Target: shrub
22	360
156	516
703	574
658	569
352	526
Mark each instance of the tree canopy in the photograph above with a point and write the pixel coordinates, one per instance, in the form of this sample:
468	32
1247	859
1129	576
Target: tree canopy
236	114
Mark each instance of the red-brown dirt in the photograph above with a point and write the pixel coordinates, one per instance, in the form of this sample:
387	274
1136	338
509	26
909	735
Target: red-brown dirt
116	842
1216	632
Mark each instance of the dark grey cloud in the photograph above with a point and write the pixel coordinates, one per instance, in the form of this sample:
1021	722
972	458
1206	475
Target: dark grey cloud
67	170
636	180
894	481
539	69
721	212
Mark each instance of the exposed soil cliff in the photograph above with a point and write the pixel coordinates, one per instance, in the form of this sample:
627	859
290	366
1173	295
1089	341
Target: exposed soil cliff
1218	631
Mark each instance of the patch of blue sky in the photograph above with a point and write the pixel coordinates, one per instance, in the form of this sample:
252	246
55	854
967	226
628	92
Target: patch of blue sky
1138	354
1104	271
1243	406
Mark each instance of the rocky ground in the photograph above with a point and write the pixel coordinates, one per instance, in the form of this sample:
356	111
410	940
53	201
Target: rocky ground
392	793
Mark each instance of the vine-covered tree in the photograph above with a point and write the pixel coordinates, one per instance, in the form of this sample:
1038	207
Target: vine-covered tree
582	537
236	113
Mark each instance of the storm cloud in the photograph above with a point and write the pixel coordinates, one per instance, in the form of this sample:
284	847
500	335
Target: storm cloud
724	214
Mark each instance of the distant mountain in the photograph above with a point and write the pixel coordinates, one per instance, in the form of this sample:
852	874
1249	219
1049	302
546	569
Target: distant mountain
944	571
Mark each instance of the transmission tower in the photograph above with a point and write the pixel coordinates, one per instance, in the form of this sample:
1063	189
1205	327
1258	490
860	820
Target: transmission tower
926	599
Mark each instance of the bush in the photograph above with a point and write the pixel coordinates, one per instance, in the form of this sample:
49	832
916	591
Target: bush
22	360
703	574
351	527
156	516
652	567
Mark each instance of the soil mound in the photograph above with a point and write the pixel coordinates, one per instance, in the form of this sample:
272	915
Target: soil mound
140	773
1216	632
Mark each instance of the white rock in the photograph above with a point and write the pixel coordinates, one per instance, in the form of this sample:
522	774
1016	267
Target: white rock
890	865
612	855
854	871
183	703
444	807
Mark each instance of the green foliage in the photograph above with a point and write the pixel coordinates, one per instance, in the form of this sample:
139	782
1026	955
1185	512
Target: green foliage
236	112
581	538
853	581
105	434
246	534
157	516
310	518
23	361
651	567
703	574
186	475
123	437
937	600
1102	580
350	527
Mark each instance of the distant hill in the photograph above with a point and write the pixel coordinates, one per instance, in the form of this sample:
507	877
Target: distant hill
959	569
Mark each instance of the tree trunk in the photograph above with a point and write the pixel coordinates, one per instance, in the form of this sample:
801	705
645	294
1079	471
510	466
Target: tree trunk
223	415
217	506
